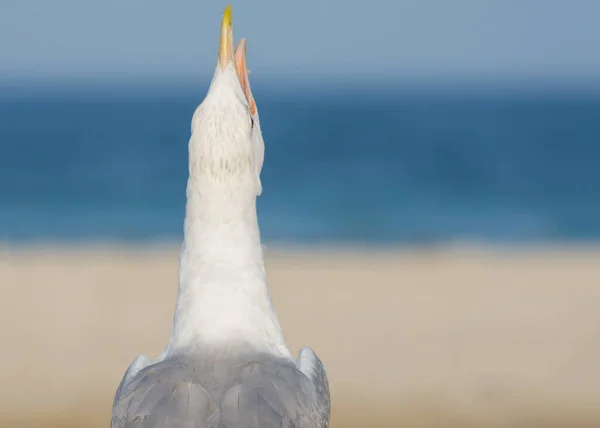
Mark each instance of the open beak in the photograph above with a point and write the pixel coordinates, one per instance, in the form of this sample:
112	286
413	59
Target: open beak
242	71
238	57
226	42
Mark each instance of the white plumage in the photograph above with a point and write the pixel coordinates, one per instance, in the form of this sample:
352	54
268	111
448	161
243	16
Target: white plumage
226	364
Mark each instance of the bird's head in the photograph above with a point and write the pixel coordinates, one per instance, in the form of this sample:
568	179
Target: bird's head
226	136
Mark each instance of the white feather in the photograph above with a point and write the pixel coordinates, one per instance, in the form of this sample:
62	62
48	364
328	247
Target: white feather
226	362
223	296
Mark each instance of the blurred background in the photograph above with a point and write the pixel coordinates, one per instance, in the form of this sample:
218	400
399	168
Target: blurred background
431	172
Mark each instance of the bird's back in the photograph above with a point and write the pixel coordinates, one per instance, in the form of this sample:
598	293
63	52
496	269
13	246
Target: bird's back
261	391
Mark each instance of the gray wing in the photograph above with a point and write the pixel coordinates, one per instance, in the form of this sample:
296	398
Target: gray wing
262	392
140	362
309	363
164	394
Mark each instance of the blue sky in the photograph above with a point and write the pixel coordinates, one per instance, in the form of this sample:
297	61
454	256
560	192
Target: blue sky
44	38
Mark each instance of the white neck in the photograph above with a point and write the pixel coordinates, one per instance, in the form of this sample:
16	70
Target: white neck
223	299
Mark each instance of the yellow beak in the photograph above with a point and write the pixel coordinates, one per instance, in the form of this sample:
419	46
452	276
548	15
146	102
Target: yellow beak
238	56
226	43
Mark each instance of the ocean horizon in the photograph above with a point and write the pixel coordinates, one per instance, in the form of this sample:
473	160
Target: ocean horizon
345	163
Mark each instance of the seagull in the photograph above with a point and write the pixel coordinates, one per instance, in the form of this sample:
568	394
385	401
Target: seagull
226	364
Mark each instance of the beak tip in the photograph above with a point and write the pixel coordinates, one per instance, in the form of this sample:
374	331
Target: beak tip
226	43
227	15
241	47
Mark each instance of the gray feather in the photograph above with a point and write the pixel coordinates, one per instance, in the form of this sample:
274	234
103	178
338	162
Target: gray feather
309	363
259	391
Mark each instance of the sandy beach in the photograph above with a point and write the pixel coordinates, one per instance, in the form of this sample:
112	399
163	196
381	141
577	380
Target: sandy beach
450	337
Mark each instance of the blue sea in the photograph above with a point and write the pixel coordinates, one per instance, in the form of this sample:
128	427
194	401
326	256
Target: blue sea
385	164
